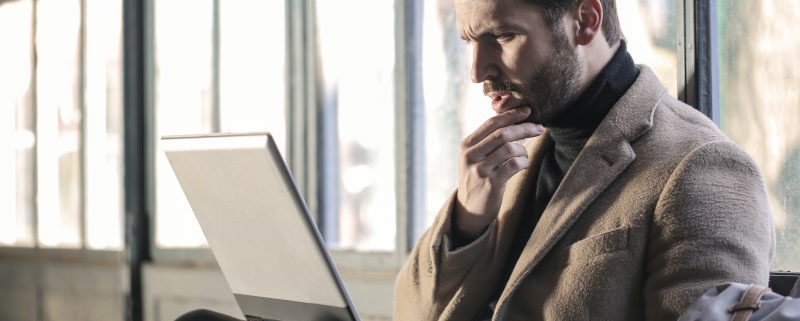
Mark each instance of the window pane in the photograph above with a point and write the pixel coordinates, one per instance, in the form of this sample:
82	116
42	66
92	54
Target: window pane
183	105
650	29
357	68
17	140
58	123
760	91
103	123
252	40
251	84
454	106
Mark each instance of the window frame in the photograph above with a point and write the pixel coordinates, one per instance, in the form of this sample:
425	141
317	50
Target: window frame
303	142
82	252
698	56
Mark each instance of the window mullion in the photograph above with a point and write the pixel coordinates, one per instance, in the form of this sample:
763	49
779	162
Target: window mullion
84	123
302	120
35	107
685	38
707	59
698	61
136	104
409	127
311	121
215	89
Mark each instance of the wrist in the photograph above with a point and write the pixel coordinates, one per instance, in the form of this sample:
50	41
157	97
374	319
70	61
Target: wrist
466	225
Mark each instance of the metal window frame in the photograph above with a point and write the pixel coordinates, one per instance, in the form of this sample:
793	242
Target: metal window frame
414	104
302	128
698	56
135	98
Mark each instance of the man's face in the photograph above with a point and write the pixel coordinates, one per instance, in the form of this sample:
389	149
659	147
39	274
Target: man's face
520	60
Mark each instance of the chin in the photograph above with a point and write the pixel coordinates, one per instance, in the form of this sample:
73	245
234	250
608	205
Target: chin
533	118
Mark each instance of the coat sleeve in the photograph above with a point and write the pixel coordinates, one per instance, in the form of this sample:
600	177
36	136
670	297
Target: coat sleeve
712	224
434	273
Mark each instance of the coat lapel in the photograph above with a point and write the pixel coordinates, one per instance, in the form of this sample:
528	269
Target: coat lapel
521	185
606	155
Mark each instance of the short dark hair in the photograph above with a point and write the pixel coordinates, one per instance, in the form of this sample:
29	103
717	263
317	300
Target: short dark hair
555	9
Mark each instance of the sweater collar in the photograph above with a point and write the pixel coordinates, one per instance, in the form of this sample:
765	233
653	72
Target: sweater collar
605	90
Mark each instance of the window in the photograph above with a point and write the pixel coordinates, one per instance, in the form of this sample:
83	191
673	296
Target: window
103	128
183	105
760	107
62	146
17	140
650	29
358	164
221	69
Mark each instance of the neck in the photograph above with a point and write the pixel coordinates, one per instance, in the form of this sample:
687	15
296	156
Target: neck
594	102
596	55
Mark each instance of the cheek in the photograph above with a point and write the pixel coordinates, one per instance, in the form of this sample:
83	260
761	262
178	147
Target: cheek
516	63
523	60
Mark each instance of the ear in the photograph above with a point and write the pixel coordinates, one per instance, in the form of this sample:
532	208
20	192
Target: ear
590	20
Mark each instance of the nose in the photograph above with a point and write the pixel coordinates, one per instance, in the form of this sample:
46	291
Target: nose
484	64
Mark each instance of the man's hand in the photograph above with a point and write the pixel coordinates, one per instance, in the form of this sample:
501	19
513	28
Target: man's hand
487	159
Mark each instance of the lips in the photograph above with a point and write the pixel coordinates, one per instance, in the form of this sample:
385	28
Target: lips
501	101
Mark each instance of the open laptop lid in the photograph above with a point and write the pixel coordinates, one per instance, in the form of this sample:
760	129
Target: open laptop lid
258	227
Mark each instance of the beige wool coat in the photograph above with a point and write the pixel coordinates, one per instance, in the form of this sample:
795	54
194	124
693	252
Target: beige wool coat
658	207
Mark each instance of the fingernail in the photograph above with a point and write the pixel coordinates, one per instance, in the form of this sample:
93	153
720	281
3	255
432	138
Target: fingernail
540	128
525	110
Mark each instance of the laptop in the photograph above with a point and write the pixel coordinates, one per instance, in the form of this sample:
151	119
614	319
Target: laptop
258	227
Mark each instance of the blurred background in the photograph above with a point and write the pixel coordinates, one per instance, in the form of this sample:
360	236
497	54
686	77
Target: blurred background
368	100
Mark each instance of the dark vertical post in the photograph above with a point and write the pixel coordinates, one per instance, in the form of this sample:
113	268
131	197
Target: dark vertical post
136	219
698	57
686	51
707	59
416	121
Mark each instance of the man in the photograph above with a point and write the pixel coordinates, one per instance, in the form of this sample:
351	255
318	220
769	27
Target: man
628	207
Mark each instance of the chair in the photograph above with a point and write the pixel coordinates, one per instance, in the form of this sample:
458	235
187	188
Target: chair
782	282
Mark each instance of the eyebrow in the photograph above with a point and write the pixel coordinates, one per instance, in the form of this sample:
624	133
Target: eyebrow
493	30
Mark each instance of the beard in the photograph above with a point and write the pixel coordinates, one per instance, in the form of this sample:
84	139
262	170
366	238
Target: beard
552	86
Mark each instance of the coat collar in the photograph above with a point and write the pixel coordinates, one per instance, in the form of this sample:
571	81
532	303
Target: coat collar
606	155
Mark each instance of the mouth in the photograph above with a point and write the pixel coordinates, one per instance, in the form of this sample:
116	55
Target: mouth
501	101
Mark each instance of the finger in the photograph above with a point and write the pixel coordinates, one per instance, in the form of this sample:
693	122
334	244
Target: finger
498	121
499	157
508	169
501	136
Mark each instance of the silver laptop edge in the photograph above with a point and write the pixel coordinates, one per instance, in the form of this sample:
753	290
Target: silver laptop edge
195	160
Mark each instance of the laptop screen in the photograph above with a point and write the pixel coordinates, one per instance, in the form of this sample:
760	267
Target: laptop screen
254	219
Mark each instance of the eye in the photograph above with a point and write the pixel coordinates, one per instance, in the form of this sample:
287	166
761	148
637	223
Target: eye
504	36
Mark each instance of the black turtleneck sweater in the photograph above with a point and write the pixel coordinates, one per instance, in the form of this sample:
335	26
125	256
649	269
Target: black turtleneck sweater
570	132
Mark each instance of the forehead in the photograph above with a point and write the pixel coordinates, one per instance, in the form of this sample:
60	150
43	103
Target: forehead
475	17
